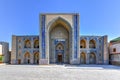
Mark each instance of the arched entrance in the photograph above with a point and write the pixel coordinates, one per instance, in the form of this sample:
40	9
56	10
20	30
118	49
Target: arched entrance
19	61
27	58
59	58
36	58
92	58
60	53
82	58
59	31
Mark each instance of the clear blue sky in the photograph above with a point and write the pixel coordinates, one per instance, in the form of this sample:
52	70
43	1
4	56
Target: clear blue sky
97	17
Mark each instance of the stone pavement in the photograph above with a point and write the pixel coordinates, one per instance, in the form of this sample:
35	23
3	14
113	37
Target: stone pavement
59	72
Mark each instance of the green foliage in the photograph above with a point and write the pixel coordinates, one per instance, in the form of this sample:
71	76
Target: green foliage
1	58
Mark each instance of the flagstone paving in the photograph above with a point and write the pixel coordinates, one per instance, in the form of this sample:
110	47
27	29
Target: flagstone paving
59	72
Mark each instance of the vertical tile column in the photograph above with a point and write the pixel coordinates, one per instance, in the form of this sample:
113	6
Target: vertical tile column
75	40
43	38
75	36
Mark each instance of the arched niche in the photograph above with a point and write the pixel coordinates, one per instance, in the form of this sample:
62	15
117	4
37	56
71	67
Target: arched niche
92	44
27	43
92	58
27	58
36	43
82	43
36	58
83	58
59	29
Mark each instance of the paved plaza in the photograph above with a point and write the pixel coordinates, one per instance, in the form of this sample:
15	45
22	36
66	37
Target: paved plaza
59	72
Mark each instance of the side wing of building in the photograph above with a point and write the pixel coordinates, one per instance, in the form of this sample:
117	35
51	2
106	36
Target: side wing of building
94	50
25	49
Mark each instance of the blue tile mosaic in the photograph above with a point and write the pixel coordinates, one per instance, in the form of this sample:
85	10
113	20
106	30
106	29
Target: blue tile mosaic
75	35
43	37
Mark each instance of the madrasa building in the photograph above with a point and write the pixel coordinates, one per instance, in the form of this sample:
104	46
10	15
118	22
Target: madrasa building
59	41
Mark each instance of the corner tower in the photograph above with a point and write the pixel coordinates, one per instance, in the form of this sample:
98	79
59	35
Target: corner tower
59	38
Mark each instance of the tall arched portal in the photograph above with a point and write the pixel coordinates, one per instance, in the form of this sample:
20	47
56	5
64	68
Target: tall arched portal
59	29
59	40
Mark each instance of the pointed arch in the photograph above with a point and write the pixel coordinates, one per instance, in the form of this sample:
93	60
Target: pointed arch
36	43
92	58
59	20
59	46
83	58
82	43
36	58
27	58
59	28
92	44
27	43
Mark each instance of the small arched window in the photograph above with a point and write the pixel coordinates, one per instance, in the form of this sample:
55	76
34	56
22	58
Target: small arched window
82	44
59	47
36	44
27	44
